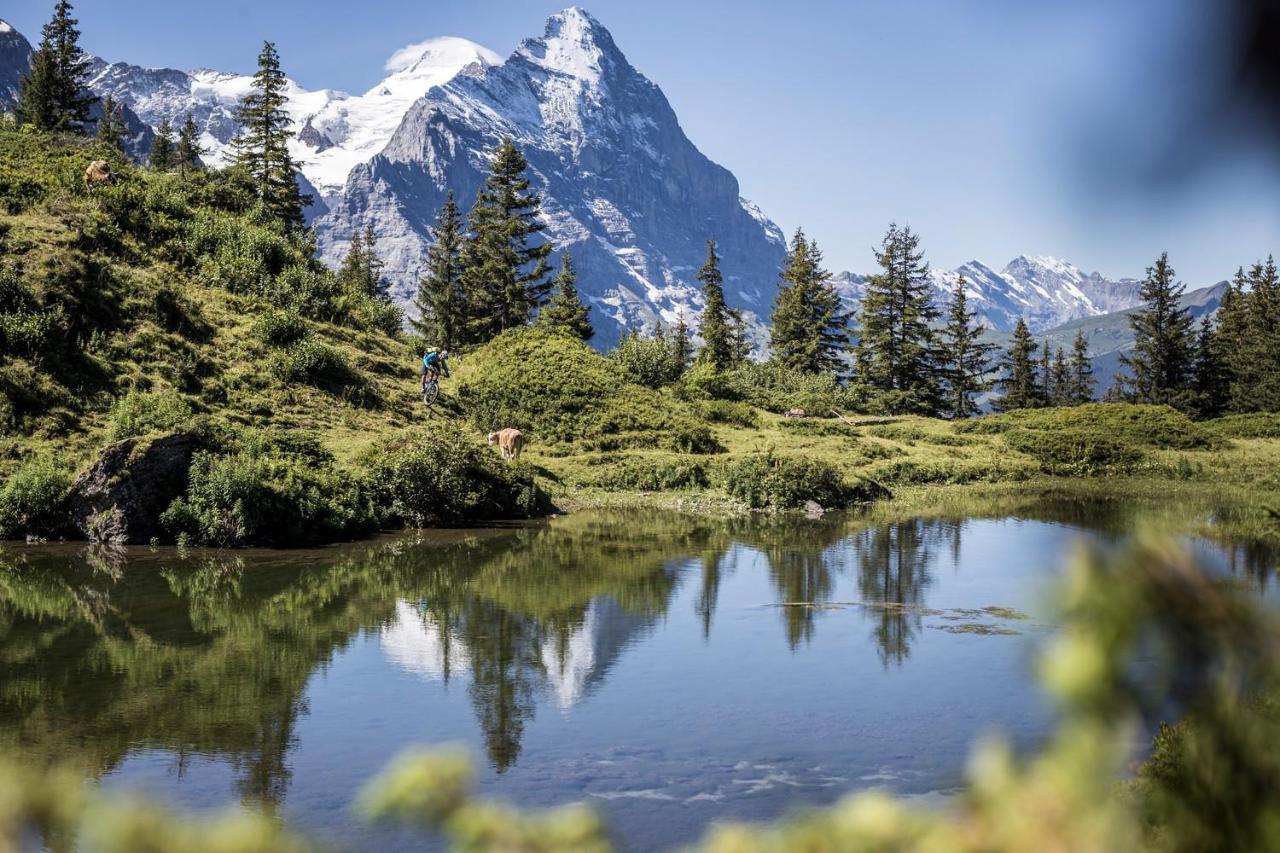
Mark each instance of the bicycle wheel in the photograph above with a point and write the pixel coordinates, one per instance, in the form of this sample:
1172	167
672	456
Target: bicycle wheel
429	392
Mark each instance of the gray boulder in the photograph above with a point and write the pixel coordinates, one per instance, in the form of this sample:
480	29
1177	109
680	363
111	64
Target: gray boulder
120	498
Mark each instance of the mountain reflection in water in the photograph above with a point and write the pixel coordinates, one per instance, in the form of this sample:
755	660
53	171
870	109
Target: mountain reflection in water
108	654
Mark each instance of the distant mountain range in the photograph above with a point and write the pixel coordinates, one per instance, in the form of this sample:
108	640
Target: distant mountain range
623	188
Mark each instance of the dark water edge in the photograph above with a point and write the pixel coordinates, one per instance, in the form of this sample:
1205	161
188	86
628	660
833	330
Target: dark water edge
672	670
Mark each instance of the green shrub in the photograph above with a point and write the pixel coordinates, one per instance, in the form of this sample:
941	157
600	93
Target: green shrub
444	477
652	361
1138	425
704	382
1075	452
770	481
651	475
728	412
918	472
280	328
310	360
554	387
694	438
775	388
33	500
34	334
1253	425
139	412
249	498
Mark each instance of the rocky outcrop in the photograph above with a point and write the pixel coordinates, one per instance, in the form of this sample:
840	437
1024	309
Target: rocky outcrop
120	498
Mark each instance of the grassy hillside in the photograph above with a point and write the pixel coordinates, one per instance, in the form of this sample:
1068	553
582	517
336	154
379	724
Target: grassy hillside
166	307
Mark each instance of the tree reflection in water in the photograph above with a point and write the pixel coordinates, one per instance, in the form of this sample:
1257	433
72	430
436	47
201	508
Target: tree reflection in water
103	653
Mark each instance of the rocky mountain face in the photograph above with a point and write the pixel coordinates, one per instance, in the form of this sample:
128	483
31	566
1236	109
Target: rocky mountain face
623	188
15	60
1045	291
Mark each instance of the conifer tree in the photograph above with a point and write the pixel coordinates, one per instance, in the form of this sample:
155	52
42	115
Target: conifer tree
1081	372
262	148
714	327
351	273
1061	380
1262	343
565	310
1046	374
1208	376
896	349
53	95
1231	339
740	341
188	151
162	153
810	331
441	301
681	345
111	126
361	270
1159	370
963	357
506	275
1019	383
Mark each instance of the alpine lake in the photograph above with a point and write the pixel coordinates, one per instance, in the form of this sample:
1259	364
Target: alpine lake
669	669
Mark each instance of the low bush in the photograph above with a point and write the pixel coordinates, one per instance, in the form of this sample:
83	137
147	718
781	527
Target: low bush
280	328
652	362
694	438
641	473
728	412
310	360
271	498
445	477
1075	452
771	481
917	472
33	500
1138	425
775	388
1252	425
140	412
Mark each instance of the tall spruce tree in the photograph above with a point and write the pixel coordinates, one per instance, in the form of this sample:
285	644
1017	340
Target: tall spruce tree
53	95
162	151
565	310
681	345
1081	371
441	300
1159	370
361	270
738	337
188	151
714	326
896	348
810	331
1262	342
111	126
1208	375
1061	380
963	357
1231	338
506	274
262	148
1046	374
1021	388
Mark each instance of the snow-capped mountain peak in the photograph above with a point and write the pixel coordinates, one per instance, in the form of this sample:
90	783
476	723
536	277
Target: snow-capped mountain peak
574	44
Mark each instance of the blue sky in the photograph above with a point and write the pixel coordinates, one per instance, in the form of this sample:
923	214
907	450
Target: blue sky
993	128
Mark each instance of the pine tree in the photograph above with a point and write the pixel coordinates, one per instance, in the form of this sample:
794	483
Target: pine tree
964	359
188	151
896	349
372	283
162	153
1061	380
441	301
565	310
810	332
1019	383
1081	372
1262	344
506	277
111	128
1159	370
1046	374
1208	376
351	273
1231	337
740	341
53	95
714	327
681	345
262	148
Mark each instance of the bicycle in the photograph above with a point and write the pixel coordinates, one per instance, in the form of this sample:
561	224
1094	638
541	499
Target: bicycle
430	387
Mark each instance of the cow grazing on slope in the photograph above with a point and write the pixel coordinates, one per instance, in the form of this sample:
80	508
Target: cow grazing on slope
98	173
510	442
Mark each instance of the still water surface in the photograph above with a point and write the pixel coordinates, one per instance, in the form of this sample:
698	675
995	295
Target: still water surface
670	670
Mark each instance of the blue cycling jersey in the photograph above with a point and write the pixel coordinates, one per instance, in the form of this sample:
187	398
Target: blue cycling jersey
434	360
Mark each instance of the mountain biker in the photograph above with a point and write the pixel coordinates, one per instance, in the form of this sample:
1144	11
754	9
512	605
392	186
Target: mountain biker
434	362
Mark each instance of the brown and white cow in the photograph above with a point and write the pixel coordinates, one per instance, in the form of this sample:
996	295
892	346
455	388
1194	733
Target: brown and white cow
98	173
510	442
